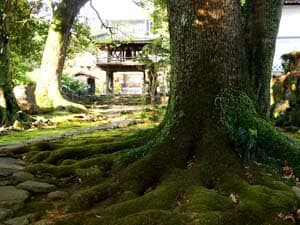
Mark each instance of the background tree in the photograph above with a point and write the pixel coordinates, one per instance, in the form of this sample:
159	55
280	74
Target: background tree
261	27
8	105
48	92
20	53
156	58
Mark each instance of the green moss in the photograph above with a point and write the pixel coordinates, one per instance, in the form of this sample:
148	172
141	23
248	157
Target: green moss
150	217
87	198
68	162
38	156
239	113
201	199
92	175
102	163
36	207
57	171
269	182
160	196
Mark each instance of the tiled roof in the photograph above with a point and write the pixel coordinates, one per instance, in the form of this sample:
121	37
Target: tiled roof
292	2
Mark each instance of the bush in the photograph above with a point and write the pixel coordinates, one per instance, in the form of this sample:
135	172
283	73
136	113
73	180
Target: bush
71	85
291	61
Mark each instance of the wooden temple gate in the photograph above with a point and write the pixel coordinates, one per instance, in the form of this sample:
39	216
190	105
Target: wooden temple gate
121	57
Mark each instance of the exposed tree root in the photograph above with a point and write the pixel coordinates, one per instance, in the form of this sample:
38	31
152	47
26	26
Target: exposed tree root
165	187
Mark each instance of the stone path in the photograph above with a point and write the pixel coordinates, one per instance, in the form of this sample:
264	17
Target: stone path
16	187
115	124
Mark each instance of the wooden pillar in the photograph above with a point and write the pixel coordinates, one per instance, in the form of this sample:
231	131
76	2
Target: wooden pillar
109	82
145	91
109	55
133	55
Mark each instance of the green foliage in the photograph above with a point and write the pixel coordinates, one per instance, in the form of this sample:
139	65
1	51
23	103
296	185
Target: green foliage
234	107
156	57
80	40
71	85
158	136
245	142
258	137
27	38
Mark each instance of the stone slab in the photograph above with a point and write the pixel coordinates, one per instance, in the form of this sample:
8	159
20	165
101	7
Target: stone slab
4	213
37	187
12	198
22	220
22	176
58	195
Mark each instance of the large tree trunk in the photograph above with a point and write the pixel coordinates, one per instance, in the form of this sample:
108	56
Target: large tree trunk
48	91
262	22
208	106
8	104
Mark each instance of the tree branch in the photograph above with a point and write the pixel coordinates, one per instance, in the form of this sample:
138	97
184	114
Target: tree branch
100	19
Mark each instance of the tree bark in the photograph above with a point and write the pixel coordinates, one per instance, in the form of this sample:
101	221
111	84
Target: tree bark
261	27
48	91
206	58
8	103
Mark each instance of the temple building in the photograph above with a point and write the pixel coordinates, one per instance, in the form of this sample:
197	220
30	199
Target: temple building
288	38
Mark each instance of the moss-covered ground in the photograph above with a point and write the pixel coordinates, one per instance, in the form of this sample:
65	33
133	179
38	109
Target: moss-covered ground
60	122
211	189
86	166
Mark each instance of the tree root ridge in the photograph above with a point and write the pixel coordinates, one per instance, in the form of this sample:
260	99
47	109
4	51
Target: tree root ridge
180	198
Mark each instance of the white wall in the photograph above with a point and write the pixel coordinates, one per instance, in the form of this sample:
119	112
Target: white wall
288	38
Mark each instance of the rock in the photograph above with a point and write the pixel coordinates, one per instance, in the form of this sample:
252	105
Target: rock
123	124
4	213
22	220
22	176
6	182
11	164
58	195
296	190
35	186
5	172
17	125
26	99
12	198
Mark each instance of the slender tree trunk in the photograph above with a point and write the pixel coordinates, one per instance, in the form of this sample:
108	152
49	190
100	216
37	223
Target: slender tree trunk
8	103
48	89
262	22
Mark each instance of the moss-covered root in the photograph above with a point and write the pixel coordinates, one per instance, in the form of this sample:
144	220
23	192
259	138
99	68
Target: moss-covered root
180	198
74	168
89	197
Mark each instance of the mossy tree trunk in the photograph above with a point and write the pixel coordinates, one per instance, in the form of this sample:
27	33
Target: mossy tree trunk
48	91
207	58
261	26
209	101
8	103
